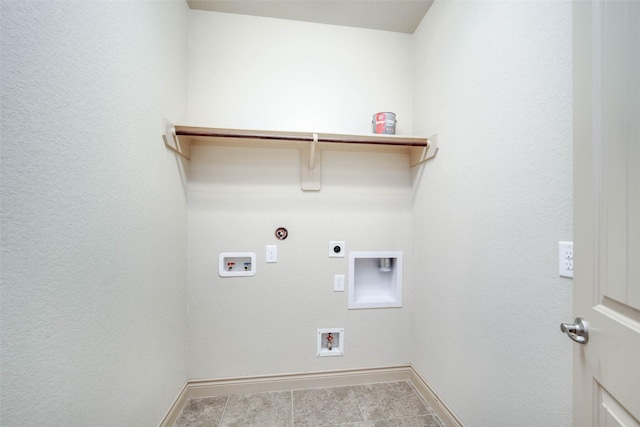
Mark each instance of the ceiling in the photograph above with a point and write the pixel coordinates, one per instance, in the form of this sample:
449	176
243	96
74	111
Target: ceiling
401	16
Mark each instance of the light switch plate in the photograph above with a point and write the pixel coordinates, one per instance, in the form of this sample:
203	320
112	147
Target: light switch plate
272	253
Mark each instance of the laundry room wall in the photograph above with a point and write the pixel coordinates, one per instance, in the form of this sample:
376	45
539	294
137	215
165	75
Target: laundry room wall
262	73
94	238
494	80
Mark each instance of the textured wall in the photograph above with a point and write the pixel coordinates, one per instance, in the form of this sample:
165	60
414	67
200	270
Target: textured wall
257	72
93	213
494	80
93	226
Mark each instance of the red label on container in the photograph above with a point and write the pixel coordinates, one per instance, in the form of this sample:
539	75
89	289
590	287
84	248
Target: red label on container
384	123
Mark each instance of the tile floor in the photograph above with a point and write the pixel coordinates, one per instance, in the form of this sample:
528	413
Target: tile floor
392	404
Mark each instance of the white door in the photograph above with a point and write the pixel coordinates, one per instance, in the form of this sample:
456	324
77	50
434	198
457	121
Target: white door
607	212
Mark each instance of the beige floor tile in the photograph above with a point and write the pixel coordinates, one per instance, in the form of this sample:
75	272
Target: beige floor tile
394	404
325	406
383	401
202	412
423	421
258	410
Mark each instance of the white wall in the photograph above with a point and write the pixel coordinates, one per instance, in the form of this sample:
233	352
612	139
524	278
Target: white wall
93	212
258	73
94	230
494	80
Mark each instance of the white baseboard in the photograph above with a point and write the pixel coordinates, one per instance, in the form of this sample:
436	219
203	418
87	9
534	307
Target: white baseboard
202	388
438	406
176	407
266	383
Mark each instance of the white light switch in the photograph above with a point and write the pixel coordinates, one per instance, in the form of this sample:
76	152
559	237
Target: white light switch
272	253
338	283
565	259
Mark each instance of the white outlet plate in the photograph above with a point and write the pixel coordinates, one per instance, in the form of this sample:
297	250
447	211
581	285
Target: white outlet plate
565	259
272	253
338	283
336	249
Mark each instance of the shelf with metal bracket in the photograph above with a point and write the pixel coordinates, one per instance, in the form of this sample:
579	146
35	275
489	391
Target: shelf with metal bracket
181	138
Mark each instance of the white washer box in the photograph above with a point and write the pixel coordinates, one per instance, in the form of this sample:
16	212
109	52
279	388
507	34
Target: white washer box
235	264
375	279
337	341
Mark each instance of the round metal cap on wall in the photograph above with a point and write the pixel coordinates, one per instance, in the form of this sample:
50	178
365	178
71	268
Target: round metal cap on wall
282	233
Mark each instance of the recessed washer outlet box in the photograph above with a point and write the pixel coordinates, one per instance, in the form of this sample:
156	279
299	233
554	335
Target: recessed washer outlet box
237	264
330	342
375	279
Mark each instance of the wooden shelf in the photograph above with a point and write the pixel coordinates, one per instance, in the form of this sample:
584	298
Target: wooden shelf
181	138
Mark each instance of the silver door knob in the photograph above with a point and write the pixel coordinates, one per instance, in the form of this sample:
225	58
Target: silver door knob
579	331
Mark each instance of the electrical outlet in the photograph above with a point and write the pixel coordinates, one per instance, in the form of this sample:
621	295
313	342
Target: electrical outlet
338	283
336	249
565	259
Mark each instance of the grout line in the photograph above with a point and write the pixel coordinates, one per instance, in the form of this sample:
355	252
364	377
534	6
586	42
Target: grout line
430	410
224	411
420	398
292	419
364	420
